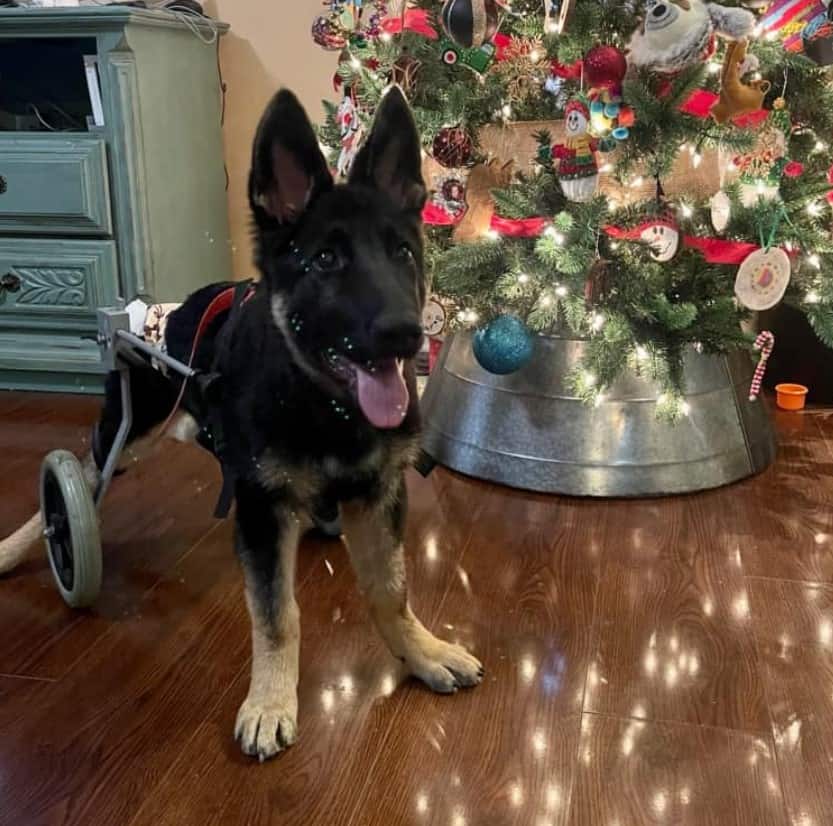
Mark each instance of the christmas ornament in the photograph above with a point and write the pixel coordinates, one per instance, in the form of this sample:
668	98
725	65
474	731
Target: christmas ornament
578	172
765	342
721	210
817	38
804	27
597	285
556	14
520	70
763	278
470	22
433	317
478	59
675	35
762	168
328	34
605	68
737	98
483	178
404	72
344	26
553	85
604	72
503	346
662	235
452	147
560	72
350	128
450	193
660	232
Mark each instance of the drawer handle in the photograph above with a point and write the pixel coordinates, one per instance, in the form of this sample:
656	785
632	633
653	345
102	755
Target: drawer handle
10	283
3	185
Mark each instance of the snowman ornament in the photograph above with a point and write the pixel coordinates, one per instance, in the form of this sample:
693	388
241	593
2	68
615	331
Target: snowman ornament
575	158
662	235
659	232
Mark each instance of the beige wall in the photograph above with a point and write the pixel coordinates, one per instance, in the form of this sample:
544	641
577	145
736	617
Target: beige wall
269	45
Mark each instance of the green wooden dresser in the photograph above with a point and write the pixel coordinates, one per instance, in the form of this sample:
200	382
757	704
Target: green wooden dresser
93	213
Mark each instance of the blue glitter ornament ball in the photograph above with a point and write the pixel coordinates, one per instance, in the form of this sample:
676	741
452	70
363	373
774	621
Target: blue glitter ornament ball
503	346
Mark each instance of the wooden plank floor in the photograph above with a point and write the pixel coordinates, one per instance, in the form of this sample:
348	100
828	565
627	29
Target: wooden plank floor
651	662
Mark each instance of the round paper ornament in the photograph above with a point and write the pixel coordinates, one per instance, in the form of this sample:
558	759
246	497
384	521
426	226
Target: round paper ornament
503	346
470	22
763	278
433	317
721	210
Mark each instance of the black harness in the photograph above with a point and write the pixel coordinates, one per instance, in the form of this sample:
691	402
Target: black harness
212	435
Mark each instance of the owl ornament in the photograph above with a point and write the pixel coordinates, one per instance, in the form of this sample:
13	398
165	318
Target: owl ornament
676	34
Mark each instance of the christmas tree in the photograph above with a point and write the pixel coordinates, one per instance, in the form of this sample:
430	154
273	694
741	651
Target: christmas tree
643	177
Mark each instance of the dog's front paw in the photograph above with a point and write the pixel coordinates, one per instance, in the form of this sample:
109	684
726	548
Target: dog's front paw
443	666
264	729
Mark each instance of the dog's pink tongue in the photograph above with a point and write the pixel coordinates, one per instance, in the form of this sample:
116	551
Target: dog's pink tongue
383	395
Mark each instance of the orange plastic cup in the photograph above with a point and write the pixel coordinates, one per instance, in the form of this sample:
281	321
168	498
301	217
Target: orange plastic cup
790	396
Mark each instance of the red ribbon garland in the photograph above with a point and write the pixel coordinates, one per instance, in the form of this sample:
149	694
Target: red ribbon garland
434	215
713	250
720	250
519	227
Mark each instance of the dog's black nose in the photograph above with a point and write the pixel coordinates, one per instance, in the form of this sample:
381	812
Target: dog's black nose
397	335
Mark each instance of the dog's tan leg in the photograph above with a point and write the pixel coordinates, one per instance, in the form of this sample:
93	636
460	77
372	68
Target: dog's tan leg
23	544
373	533
267	543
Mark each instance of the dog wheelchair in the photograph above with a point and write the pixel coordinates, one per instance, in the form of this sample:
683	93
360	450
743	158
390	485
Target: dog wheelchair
69	504
69	507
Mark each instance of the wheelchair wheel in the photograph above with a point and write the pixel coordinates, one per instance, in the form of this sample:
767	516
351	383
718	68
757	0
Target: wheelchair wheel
70	527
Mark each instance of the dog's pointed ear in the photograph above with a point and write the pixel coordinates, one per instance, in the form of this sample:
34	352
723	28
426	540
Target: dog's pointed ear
391	158
288	168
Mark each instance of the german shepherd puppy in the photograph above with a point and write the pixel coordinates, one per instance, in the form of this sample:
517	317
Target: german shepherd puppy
316	394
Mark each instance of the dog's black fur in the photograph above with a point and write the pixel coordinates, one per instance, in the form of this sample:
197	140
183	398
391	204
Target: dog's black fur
341	282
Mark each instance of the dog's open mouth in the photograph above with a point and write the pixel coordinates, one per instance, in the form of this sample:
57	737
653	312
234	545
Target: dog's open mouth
378	385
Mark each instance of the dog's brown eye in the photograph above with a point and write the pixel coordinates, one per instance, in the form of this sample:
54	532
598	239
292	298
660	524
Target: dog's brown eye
405	252
327	260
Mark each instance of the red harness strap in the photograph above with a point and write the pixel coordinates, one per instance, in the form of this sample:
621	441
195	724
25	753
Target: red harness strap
221	303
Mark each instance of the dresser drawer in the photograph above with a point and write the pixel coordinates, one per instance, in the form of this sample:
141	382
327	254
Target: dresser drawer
54	184
55	284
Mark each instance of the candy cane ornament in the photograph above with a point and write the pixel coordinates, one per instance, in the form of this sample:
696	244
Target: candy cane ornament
764	342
